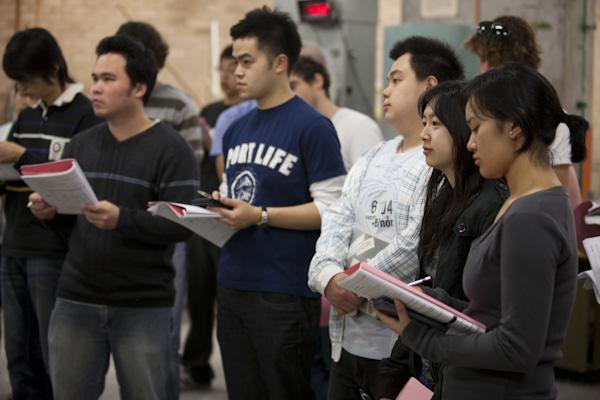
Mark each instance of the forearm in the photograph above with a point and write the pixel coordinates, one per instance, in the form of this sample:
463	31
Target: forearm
303	217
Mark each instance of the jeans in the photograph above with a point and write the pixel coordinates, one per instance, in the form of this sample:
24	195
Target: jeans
202	258
179	265
82	336
28	296
267	344
353	378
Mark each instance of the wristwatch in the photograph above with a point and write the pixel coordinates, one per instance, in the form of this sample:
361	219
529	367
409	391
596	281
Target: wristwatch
264	217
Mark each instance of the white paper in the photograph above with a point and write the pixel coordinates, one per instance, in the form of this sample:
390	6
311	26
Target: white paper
197	219
592	277
67	191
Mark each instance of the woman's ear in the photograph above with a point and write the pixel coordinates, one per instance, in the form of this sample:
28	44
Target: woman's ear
515	132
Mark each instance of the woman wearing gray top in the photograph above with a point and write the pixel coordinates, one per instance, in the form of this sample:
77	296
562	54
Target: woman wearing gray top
520	274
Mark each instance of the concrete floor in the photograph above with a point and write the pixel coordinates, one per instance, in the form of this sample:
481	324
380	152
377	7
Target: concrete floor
570	386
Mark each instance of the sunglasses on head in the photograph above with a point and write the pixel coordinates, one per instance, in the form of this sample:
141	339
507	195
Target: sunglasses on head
491	28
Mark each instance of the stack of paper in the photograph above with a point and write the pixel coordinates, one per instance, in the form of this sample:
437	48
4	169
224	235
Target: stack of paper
592	277
197	219
61	184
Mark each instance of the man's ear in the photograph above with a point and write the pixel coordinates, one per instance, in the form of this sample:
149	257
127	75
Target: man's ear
139	90
431	81
318	81
280	64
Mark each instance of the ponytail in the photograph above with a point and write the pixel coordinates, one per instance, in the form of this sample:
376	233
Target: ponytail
578	127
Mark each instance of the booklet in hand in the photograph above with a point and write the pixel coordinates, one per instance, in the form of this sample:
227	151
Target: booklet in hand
199	220
369	282
61	183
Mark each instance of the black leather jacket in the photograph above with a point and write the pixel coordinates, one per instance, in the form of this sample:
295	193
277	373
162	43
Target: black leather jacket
478	216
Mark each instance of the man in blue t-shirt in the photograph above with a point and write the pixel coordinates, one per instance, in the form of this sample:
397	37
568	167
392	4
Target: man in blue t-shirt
283	167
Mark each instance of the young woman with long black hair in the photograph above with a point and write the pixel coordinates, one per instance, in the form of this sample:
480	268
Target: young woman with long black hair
460	205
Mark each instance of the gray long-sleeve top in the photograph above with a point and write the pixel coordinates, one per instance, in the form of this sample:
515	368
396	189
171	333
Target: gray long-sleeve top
520	278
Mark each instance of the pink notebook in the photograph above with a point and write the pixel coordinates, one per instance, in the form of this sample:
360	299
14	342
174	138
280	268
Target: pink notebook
414	390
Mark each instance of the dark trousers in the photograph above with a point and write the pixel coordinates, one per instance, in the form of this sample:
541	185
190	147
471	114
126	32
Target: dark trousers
202	258
353	378
28	295
267	343
321	364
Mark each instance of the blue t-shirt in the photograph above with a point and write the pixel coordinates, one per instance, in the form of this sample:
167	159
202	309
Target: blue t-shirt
272	157
225	120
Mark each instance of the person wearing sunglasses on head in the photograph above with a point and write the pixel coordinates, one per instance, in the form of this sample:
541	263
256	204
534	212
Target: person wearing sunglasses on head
510	39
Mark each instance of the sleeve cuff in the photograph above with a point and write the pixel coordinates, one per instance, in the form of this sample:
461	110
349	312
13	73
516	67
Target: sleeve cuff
124	220
25	159
319	283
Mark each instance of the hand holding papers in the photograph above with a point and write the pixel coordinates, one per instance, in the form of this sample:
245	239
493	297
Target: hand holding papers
61	184
370	283
592	277
197	219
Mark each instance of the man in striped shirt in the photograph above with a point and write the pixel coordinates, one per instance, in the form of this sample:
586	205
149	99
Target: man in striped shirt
33	255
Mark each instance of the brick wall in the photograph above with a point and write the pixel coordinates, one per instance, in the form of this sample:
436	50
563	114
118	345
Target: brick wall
79	25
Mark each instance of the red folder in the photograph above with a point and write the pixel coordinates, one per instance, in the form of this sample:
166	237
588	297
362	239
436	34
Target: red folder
48	168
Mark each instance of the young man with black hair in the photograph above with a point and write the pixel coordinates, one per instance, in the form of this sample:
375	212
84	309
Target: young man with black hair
283	168
116	293
33	255
384	196
356	131
173	107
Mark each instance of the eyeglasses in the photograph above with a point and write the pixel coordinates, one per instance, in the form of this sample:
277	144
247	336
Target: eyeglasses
492	28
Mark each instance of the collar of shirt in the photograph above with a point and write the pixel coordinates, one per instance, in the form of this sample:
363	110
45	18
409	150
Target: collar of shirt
65	97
